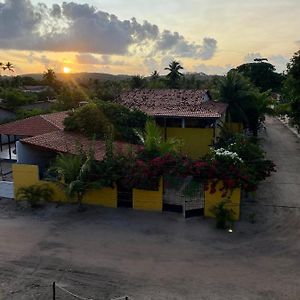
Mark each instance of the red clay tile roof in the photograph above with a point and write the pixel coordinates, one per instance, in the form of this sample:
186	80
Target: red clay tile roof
173	103
69	142
35	125
56	119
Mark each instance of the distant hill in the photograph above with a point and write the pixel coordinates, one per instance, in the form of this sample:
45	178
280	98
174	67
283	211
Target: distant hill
82	76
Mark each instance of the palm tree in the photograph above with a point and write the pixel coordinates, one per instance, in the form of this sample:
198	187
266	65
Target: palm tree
72	173
154	144
175	74
35	194
245	103
235	90
154	75
8	66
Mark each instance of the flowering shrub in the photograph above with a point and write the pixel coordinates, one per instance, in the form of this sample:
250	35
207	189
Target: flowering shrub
247	148
226	155
235	166
222	165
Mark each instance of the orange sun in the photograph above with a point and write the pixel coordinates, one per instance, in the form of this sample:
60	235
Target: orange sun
66	70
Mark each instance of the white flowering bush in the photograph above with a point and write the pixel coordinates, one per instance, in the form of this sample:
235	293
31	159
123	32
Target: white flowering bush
223	154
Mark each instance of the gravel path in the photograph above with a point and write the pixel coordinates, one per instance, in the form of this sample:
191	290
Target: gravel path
106	253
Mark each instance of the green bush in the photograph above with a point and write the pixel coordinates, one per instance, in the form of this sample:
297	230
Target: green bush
125	121
247	148
223	215
13	98
89	120
35	194
98	120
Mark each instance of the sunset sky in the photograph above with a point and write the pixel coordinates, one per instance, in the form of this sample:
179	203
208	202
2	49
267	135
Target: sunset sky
137	37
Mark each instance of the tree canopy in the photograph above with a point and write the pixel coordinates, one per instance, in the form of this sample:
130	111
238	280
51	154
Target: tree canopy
246	103
103	118
291	87
263	75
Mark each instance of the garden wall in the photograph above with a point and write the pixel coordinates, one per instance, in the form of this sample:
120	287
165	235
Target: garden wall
25	175
212	200
148	200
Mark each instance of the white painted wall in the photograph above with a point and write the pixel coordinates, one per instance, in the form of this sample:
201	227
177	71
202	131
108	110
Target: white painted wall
30	155
6	189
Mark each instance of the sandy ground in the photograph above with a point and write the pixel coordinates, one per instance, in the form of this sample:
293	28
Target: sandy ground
106	253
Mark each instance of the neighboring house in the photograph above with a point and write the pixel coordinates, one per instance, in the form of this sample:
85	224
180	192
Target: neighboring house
33	126
39	149
190	115
38	139
40	105
5	116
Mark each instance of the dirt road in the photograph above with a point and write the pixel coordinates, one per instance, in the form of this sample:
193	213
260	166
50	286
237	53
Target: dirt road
106	253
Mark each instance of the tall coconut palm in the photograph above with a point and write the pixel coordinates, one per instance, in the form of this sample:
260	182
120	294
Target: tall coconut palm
8	66
235	90
174	74
245	103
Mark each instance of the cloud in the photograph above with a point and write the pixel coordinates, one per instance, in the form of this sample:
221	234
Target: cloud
176	44
17	19
213	69
44	60
151	64
82	28
23	27
279	61
89	59
55	11
208	48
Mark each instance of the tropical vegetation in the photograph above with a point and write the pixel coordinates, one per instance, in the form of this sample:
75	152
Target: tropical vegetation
291	89
101	118
246	104
36	195
174	74
241	163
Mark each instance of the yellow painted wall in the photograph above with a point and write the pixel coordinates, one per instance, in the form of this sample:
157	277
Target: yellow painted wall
107	197
211	200
235	127
148	200
196	141
25	175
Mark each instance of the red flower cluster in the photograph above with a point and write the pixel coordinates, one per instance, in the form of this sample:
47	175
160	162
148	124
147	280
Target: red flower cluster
146	173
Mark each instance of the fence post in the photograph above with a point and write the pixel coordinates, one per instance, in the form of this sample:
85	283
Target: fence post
53	290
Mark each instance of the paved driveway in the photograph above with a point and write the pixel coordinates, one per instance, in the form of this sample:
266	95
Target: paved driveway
105	253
